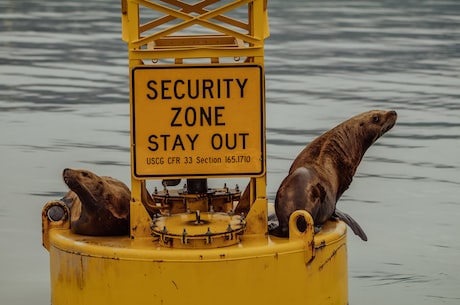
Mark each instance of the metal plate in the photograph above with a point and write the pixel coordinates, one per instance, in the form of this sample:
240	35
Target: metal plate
198	121
198	230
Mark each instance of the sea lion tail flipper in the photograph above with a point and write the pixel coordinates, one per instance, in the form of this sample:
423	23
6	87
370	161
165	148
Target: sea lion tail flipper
273	222
279	231
355	227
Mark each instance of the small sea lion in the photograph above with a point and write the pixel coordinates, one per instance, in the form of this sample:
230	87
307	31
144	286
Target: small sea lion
325	168
99	206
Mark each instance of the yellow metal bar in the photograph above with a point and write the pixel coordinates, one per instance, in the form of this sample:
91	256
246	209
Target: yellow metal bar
224	8
202	52
132	22
124	21
192	20
145	40
196	8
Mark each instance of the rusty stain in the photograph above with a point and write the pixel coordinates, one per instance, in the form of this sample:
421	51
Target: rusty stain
322	244
330	257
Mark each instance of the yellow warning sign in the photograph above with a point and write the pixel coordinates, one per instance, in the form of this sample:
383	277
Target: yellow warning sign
198	121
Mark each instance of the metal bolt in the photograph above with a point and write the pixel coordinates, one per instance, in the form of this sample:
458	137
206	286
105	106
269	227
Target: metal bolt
242	219
209	238
184	236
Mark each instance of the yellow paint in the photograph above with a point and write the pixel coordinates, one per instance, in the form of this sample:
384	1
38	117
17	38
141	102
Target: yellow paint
246	265
270	270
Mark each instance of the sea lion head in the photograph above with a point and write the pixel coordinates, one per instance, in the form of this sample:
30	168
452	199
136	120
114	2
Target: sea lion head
374	124
84	183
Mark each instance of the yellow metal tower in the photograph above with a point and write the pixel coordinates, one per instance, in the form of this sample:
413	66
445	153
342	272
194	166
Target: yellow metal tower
169	38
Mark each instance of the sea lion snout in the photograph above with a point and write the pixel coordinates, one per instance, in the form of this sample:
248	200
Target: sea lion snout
66	175
390	121
391	116
75	179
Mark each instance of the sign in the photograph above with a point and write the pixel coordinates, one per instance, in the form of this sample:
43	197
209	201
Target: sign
198	121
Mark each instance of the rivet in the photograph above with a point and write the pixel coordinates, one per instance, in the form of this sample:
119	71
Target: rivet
209	238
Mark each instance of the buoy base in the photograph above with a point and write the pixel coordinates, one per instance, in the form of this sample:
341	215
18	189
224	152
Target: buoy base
258	270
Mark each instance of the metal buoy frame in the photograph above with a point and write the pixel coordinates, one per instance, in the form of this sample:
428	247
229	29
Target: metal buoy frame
193	120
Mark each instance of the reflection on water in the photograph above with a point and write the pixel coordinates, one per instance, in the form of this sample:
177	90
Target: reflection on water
64	103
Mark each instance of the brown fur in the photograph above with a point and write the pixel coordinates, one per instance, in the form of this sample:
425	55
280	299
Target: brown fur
325	168
99	205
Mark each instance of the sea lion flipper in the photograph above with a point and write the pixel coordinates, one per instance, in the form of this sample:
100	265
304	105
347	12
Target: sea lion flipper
355	227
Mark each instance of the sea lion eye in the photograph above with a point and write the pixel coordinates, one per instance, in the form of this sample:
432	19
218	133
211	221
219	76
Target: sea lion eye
84	174
375	119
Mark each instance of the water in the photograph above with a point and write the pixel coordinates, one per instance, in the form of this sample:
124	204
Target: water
64	103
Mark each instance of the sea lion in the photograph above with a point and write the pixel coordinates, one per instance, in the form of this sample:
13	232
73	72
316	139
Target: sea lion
325	168
99	206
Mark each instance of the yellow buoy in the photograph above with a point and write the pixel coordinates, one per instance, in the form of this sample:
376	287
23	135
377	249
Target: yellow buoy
193	119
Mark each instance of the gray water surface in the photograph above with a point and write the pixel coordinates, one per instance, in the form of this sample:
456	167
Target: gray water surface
64	102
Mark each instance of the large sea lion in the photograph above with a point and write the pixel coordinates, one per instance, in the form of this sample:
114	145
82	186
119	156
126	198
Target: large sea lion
99	206
325	168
